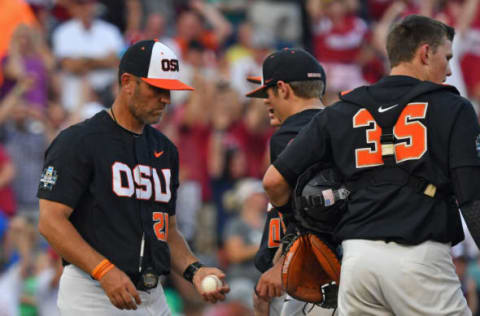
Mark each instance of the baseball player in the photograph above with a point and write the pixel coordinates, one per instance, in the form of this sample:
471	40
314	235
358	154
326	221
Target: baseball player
409	148
292	96
107	198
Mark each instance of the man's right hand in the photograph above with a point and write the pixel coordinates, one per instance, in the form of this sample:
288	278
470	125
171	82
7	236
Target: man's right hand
120	289
55	226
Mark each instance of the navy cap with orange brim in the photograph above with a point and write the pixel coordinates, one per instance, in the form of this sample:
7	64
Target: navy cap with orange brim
288	65
155	64
261	92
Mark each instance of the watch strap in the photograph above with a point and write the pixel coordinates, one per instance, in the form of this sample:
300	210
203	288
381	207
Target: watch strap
191	270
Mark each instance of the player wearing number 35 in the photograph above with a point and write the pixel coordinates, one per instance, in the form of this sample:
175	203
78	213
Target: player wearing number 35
408	148
107	198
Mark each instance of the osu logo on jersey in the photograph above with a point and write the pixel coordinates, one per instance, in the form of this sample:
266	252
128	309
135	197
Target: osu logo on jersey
143	181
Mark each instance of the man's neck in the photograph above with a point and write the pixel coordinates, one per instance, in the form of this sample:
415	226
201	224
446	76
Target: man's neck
122	116
301	105
407	69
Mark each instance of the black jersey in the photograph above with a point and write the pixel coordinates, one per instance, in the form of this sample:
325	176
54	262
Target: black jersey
288	130
274	229
119	184
435	134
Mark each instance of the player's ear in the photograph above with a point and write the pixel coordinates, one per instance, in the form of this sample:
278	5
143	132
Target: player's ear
128	83
424	53
283	89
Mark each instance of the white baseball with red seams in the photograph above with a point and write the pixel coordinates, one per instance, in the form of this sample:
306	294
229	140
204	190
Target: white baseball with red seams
211	283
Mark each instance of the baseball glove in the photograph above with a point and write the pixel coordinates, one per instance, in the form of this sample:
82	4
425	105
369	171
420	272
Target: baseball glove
311	271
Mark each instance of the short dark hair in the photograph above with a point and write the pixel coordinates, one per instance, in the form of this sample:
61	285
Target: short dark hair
307	89
406	36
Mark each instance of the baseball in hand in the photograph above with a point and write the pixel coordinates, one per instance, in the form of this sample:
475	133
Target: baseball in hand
211	283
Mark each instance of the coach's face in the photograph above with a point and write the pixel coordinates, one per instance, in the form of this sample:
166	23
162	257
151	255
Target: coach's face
147	102
439	68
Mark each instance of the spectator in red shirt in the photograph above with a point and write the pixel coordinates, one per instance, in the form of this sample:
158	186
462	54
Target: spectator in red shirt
377	8
470	60
338	39
7	172
252	134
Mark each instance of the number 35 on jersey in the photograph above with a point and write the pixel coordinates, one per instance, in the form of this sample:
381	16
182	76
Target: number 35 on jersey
410	135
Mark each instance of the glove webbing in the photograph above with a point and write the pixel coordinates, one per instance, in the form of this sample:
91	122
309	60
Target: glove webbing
287	242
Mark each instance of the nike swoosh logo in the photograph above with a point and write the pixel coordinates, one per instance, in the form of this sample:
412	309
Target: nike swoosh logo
382	109
157	153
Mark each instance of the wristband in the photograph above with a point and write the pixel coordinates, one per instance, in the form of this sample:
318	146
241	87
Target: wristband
101	269
191	270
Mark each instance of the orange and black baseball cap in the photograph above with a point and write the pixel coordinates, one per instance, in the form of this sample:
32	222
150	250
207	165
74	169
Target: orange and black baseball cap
288	65
154	63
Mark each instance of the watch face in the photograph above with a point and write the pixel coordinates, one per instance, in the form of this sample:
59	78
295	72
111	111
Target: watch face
150	280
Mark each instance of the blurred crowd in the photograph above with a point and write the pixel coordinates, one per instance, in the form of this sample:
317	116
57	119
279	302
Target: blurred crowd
58	62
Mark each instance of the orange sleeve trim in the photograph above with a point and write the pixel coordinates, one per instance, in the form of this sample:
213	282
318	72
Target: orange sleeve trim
101	269
345	92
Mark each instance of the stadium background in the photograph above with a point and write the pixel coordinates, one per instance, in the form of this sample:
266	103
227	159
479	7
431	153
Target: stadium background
57	67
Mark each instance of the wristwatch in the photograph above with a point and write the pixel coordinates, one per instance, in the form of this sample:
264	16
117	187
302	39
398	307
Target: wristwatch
191	270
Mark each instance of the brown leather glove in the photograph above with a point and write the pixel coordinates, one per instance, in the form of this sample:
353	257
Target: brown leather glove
311	271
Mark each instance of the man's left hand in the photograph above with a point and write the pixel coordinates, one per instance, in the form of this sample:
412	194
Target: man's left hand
270	283
219	293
